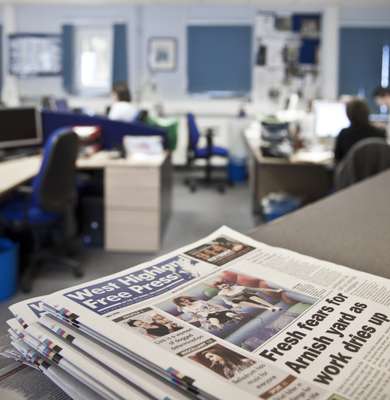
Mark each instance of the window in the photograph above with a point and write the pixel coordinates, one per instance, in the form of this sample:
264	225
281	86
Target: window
93	60
219	59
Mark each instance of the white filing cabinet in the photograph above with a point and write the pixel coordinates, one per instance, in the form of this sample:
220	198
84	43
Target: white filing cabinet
137	199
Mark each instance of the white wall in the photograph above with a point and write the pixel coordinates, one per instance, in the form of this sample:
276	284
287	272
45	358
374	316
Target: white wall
172	21
49	19
146	21
330	52
365	17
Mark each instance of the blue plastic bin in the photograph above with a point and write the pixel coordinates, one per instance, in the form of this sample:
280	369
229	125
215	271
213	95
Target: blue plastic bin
278	205
237	169
8	268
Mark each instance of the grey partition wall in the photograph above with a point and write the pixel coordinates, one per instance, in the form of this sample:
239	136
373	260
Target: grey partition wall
219	58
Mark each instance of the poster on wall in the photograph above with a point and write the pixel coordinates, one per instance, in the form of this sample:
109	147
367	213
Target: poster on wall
162	54
35	54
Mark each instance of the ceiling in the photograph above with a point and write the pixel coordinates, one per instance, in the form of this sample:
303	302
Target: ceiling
267	3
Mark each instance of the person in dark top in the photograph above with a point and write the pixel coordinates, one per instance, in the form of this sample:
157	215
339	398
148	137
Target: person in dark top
160	326
360	128
152	329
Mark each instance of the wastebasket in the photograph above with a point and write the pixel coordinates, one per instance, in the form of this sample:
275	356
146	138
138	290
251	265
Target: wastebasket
237	150
276	205
8	268
237	169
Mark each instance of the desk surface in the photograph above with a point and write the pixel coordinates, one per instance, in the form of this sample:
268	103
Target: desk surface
15	172
351	227
104	159
319	156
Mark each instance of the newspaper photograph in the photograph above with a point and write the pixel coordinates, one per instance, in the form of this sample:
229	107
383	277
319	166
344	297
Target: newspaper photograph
241	309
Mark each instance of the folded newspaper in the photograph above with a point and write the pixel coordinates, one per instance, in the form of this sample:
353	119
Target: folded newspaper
226	317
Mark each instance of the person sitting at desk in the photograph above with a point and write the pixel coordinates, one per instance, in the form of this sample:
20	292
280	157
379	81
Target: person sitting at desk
360	128
382	99
122	109
382	96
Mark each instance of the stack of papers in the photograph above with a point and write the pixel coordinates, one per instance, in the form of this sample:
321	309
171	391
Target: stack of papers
142	147
223	318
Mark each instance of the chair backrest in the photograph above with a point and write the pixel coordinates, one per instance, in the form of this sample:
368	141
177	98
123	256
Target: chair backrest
366	158
193	132
54	188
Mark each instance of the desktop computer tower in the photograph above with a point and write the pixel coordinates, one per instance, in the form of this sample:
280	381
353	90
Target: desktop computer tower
92	221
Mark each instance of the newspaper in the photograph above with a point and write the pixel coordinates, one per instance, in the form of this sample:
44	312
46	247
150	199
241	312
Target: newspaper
27	313
66	382
19	382
228	316
78	365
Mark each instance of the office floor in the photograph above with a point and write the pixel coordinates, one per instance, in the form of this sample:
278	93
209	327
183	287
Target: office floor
193	216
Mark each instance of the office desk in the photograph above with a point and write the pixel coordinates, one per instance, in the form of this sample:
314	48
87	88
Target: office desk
15	172
137	200
307	176
351	227
137	196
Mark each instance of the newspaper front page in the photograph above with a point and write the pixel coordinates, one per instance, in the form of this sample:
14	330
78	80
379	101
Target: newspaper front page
229	316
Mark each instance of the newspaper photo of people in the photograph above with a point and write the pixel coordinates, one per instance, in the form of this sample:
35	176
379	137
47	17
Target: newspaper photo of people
244	310
220	251
223	361
149	323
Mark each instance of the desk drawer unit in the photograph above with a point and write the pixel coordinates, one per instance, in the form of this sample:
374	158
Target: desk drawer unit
132	230
132	208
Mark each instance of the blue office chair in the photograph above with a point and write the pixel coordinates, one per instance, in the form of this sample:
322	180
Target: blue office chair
46	211
194	152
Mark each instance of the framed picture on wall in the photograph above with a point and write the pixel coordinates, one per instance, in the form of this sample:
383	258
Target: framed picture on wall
162	54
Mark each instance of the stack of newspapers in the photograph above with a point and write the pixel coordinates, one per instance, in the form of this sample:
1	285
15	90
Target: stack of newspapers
226	317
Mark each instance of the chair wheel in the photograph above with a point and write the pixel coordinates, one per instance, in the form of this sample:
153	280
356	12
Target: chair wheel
221	189
74	248
78	272
26	285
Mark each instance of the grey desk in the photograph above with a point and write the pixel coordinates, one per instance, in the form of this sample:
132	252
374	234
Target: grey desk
351	227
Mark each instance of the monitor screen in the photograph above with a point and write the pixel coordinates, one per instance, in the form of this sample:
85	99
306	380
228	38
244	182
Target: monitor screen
330	118
20	127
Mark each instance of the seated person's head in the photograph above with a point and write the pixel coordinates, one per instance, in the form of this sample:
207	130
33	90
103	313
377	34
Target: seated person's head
121	92
382	96
358	112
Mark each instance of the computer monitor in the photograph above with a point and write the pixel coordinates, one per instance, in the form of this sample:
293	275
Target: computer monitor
20	127
330	118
